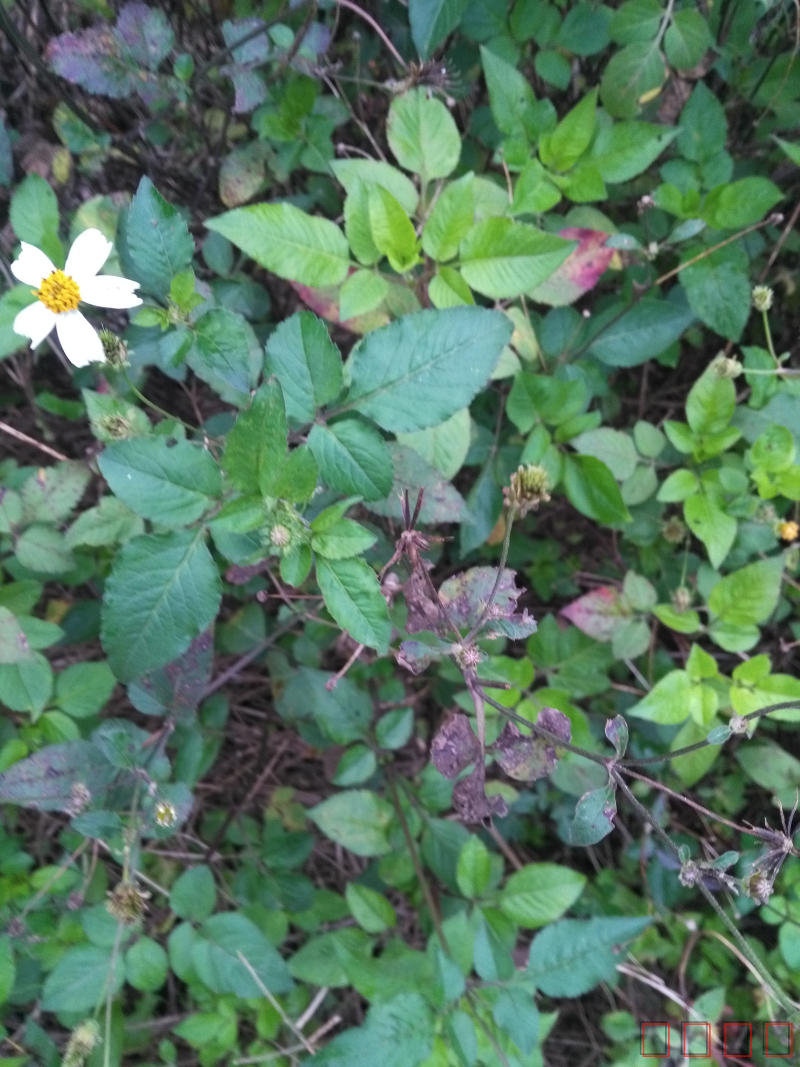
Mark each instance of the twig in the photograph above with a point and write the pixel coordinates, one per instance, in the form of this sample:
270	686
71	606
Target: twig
20	436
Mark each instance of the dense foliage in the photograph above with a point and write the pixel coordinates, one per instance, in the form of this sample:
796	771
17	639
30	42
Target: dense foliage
398	593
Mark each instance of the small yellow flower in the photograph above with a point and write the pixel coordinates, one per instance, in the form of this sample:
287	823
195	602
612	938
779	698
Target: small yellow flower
788	530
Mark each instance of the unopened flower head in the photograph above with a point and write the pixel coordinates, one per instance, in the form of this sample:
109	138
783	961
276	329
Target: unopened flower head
115	349
117	427
528	489
726	367
681	599
762	297
59	293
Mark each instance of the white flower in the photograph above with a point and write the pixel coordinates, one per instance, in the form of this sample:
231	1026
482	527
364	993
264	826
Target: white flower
60	292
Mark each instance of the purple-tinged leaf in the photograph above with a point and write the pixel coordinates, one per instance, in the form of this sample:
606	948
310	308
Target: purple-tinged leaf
454	746
599	613
253	49
145	34
527	757
465	596
62	777
91	59
617	734
178	687
414	656
470	801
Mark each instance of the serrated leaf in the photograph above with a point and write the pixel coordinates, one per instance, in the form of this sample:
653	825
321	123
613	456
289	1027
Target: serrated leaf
226	354
422	135
356	819
419	370
155	241
33	214
353	458
352	595
431	21
171	484
634	75
287	241
502	259
572	956
540	893
709	524
451	217
377	172
81	977
47	779
217	958
590	487
641	333
148	624
749	595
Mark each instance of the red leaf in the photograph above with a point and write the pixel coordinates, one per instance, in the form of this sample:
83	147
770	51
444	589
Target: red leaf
581	269
599	613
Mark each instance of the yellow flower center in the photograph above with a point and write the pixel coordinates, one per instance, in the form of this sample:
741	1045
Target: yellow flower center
59	292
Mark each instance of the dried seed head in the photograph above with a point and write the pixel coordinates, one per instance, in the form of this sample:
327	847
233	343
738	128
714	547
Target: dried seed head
528	489
82	1042
682	598
673	530
127	903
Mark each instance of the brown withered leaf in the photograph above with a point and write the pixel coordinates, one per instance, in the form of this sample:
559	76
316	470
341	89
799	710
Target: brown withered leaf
465	596
470	801
424	613
454	745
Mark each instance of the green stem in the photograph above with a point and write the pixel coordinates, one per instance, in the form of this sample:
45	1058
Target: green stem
153	406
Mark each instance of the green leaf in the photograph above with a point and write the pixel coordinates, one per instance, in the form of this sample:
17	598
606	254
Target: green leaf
341	540
371	910
540	893
307	364
474	868
357	765
501	258
445	446
419	370
704	128
736	204
226	354
510	96
217	958
375	172
668	700
149	623
8	972
642	333
285	240
80	979
711	525
516	1014
591	489
633	76
352	595
447	289
622	150
718	290
613	447
442	501
193	894
171	484
352	458
342	714
394	729
561	149
54	492
572	956
422	135
451	217
748	596
33	214
710	403
363	291
356	819
256	446
155	243
83	689
43	550
687	39
146	965
679	485
770	766
391	229
26	686
462	1038
431	21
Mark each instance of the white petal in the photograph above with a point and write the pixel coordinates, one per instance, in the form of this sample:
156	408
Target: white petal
31	265
78	338
107	291
89	252
35	321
